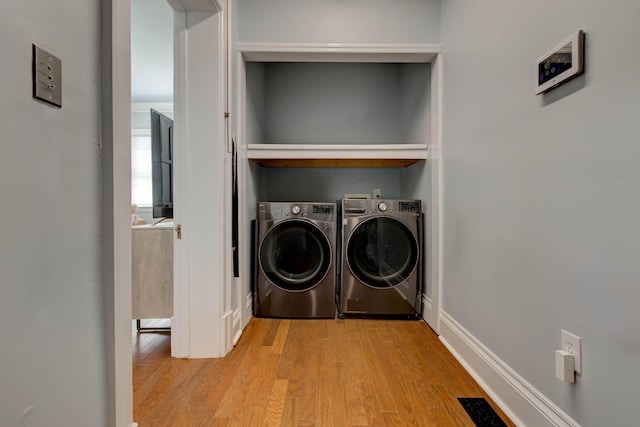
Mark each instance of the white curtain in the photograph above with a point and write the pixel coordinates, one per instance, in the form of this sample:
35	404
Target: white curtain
141	187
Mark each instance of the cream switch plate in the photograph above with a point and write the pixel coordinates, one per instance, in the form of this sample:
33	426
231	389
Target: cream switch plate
47	77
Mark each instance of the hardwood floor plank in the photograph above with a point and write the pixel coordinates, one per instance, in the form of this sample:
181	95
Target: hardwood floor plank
291	413
323	401
189	389
297	365
318	328
338	394
147	352
393	419
292	355
390	374
442	417
427	393
281	336
249	387
249	367
172	401
415	400
308	391
375	369
383	332
272	330
336	336
421	345
275	408
454	411
356	338
352	385
203	417
161	385
255	411
372	408
216	422
307	373
220	380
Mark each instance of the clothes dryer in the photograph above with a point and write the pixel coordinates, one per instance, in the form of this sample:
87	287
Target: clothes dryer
295	260
381	257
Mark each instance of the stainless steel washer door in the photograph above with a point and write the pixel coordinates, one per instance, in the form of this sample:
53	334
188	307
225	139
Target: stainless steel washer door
382	252
295	255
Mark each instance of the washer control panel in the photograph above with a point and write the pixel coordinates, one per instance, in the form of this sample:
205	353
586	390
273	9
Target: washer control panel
269	211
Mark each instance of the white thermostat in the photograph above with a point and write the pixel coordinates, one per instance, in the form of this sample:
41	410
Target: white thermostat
561	64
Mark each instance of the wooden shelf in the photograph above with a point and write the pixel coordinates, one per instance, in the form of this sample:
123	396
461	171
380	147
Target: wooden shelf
318	155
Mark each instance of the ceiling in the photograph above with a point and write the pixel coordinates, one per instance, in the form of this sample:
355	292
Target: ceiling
151	51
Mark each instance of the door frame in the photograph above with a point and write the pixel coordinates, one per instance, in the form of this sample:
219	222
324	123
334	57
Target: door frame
115	74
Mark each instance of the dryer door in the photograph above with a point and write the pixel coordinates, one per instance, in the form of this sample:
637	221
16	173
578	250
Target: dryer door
382	252
295	255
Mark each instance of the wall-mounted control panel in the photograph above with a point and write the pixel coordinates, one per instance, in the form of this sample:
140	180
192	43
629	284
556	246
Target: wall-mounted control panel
561	64
47	77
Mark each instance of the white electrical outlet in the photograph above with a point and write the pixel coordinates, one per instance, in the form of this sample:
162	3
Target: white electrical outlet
573	345
377	193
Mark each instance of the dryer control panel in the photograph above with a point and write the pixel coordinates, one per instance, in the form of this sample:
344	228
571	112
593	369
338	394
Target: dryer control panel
359	207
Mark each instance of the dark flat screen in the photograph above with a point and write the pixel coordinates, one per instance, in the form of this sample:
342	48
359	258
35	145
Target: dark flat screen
555	64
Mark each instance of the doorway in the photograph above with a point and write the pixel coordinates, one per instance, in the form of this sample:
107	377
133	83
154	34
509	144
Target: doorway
151	181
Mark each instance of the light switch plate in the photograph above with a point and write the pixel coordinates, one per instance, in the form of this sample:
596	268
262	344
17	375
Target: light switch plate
47	77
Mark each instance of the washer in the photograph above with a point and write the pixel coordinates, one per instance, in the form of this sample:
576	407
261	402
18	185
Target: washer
295	260
381	257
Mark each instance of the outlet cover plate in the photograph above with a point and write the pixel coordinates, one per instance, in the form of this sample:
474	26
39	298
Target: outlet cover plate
572	344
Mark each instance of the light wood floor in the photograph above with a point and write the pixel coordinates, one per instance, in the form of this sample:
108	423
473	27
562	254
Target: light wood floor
351	372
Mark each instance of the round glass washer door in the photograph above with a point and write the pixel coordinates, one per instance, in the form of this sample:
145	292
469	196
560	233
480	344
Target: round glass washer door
295	255
382	252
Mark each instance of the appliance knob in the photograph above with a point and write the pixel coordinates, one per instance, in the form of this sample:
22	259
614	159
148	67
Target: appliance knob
382	206
295	209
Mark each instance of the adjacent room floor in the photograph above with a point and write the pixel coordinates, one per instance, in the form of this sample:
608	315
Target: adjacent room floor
351	372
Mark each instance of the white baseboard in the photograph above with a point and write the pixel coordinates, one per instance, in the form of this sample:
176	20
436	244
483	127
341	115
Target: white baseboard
227	319
134	424
519	400
237	325
426	307
237	316
248	311
249	302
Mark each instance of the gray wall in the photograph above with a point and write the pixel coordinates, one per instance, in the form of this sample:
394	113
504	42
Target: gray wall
329	184
542	213
52	369
355	21
151	51
151	59
344	103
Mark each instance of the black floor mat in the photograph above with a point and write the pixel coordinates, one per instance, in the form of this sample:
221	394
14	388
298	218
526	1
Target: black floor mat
481	413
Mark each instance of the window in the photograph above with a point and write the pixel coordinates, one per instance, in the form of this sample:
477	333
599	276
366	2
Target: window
141	184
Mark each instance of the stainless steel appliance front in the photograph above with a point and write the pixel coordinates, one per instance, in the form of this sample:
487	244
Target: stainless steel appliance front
381	257
295	265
